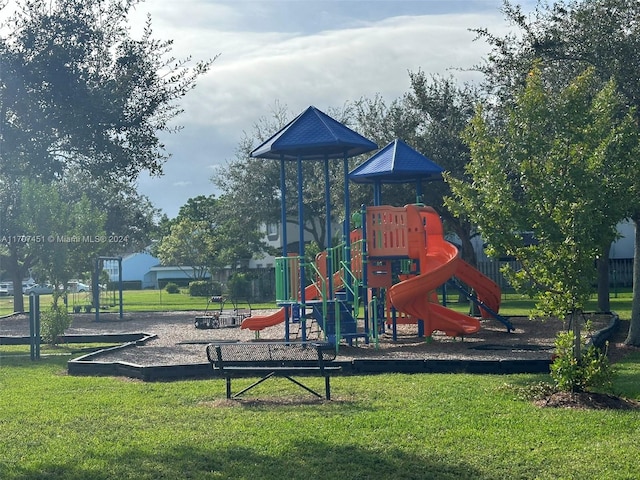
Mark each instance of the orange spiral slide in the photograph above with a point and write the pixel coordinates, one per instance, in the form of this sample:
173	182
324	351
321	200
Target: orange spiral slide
439	261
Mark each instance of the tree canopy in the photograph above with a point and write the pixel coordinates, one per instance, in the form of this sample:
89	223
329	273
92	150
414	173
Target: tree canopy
207	236
569	37
553	168
78	91
82	104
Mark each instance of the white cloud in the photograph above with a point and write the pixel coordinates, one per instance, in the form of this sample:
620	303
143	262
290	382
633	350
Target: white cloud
323	69
299	53
330	67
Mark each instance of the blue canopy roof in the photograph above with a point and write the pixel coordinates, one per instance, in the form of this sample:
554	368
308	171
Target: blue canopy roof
314	135
396	163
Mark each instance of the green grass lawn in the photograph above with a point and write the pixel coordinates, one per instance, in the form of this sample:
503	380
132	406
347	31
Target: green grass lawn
160	300
134	301
427	426
456	426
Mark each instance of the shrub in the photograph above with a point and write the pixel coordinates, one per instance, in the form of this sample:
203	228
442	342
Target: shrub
53	322
571	374
172	288
181	282
239	286
202	288
126	285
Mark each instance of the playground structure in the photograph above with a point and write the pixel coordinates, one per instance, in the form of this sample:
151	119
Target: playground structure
389	268
96	289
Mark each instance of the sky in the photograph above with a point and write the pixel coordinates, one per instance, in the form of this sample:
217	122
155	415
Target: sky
297	53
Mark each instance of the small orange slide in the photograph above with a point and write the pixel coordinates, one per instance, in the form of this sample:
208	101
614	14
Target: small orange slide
260	322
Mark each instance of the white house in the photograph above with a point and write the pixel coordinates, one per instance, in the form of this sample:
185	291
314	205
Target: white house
158	275
273	237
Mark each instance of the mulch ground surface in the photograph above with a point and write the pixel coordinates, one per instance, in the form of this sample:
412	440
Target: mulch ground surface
177	341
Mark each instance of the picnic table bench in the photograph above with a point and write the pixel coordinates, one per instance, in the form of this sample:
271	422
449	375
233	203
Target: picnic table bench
273	359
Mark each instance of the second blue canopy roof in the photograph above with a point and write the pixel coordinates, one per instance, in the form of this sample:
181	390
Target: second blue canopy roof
396	163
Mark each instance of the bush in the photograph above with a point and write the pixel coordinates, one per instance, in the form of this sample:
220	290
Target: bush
181	282
53	323
126	285
172	288
591	370
202	288
239	287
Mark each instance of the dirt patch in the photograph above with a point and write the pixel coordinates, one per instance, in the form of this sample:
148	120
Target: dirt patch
617	349
588	400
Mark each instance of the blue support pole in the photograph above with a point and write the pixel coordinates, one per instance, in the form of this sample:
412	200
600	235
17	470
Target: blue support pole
287	314
377	193
283	207
283	222
394	324
327	199
301	250
347	224
347	246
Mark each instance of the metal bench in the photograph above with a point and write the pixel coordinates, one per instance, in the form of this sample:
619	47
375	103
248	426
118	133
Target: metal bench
272	359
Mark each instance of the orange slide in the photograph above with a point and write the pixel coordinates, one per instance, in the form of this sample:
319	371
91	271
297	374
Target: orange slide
487	291
439	261
259	322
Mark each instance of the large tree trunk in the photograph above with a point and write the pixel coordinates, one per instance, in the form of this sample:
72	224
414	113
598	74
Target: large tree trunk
603	279
17	274
633	337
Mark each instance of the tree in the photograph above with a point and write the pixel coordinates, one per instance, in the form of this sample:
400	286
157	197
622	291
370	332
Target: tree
569	36
552	167
208	236
383	122
81	98
190	245
200	208
130	218
102	218
45	233
432	117
77	91
237	242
